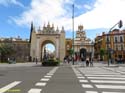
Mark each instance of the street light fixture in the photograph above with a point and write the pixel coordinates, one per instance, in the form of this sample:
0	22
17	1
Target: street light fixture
73	30
120	24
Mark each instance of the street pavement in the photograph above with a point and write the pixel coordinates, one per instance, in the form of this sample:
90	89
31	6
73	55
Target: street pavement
66	78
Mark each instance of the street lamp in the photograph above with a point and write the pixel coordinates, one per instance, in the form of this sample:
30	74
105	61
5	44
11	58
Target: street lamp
92	50
120	24
73	30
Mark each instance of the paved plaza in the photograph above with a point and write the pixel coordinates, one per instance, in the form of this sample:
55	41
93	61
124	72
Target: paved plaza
66	78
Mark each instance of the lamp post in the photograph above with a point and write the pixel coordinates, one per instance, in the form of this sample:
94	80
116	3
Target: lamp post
120	24
92	50
73	30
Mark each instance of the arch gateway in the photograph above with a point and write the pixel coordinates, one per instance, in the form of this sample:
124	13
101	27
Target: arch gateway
48	34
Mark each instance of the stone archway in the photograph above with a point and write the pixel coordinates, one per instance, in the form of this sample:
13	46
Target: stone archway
47	34
43	47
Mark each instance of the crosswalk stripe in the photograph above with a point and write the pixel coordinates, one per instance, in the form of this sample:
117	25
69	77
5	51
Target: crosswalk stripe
110	86
87	86
81	77
44	79
91	92
89	75
9	86
83	81
40	84
47	76
105	81
50	74
106	78
113	92
34	90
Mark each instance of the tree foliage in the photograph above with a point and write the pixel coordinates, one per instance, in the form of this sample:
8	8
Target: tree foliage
5	51
102	53
71	51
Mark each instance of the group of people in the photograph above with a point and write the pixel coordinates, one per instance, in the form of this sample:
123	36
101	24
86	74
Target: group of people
89	61
67	59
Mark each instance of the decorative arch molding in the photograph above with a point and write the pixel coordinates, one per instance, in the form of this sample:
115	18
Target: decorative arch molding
47	35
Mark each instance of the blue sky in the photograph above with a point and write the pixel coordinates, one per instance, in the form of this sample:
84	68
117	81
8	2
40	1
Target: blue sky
96	16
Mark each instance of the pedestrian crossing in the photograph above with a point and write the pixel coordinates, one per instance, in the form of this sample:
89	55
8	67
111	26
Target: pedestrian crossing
38	87
43	81
98	80
92	80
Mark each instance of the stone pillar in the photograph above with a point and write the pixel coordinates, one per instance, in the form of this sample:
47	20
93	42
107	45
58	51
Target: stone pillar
57	47
38	49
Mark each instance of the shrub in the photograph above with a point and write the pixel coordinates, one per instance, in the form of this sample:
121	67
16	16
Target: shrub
51	62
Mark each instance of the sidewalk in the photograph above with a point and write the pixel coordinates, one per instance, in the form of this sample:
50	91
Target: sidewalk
119	68
98	64
26	64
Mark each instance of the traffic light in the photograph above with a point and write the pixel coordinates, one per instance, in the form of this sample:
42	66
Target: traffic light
120	24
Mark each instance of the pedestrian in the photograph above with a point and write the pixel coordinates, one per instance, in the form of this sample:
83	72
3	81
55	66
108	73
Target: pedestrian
91	63
65	59
87	62
68	59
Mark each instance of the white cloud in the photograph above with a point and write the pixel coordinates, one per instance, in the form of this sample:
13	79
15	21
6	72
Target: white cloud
7	2
42	11
87	7
104	14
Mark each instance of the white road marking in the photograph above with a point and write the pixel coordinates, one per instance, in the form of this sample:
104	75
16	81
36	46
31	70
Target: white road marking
44	79
83	81
110	86
34	90
50	74
47	76
91	92
103	75
81	77
113	92
9	86
40	84
106	81
106	78
53	70
87	86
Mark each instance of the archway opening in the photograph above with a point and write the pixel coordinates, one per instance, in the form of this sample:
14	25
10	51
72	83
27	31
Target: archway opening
48	50
83	54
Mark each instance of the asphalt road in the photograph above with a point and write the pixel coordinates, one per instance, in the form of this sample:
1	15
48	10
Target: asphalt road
61	79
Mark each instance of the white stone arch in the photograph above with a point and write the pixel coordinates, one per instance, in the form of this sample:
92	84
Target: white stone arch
48	34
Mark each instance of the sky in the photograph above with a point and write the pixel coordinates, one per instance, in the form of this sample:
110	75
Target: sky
96	16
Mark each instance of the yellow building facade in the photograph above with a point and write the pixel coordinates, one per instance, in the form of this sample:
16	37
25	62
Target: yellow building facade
113	43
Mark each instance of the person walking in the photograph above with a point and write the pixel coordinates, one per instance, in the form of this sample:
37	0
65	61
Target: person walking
87	62
91	63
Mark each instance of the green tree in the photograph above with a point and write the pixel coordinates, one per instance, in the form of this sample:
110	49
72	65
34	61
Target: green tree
102	53
5	51
71	51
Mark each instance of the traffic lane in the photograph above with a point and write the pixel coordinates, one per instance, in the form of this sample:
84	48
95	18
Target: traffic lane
27	75
63	81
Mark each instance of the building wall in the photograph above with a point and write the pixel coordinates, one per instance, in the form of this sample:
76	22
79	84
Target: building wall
21	48
112	45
